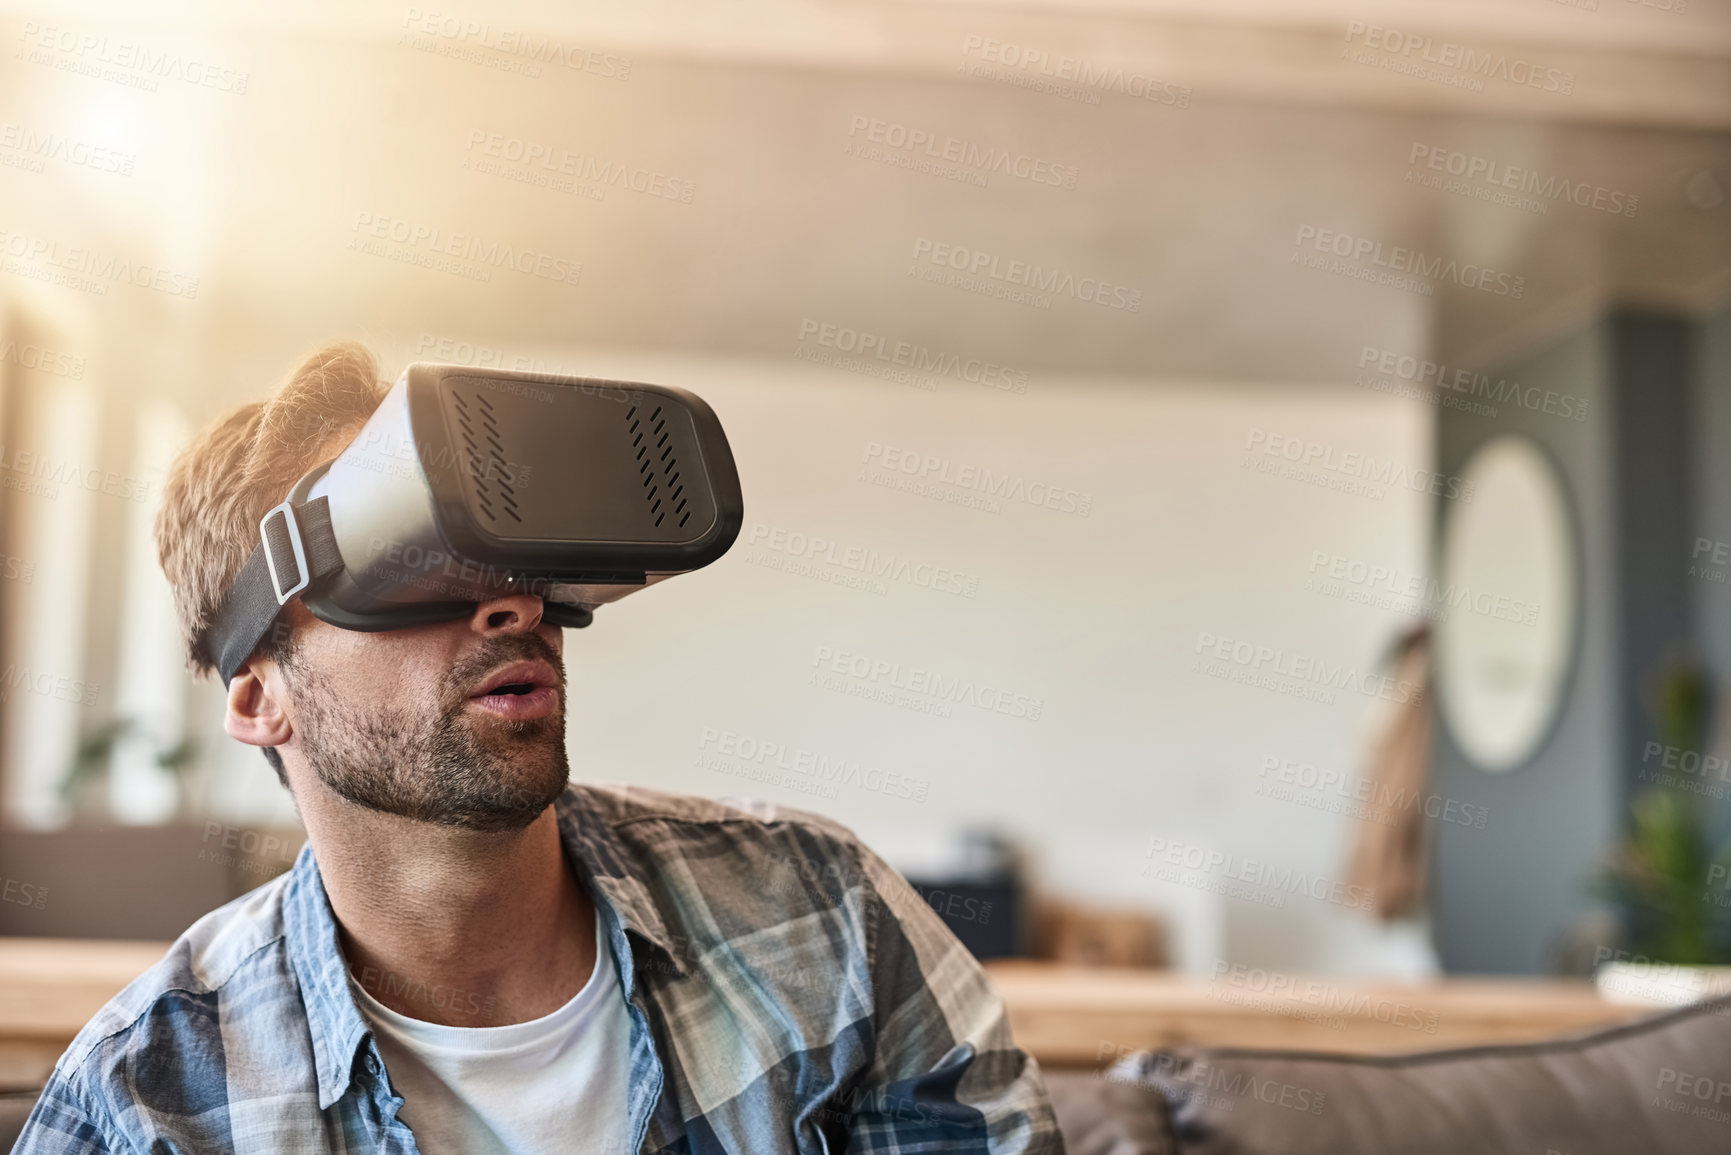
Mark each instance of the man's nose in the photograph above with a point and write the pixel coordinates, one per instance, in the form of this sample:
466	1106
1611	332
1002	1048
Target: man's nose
513	613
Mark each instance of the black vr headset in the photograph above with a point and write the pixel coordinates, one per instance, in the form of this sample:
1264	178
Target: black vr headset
468	484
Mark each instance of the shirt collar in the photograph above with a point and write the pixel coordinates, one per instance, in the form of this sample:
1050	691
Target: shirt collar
606	867
332	1017
615	875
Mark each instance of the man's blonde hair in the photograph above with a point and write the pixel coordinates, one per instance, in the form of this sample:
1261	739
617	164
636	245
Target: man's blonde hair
240	466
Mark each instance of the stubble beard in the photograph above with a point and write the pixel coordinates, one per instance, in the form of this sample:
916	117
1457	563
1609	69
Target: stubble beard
449	764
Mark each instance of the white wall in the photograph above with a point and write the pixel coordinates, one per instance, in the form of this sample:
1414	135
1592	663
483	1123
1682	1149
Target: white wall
48	452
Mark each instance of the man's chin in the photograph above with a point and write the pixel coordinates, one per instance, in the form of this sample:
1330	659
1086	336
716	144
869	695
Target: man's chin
515	800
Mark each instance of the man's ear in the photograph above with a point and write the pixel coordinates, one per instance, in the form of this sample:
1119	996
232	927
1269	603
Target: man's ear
255	713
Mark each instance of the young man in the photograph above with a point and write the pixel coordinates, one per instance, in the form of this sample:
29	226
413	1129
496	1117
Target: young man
474	954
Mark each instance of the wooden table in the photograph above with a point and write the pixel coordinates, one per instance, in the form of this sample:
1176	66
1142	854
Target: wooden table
1065	1016
1085	1017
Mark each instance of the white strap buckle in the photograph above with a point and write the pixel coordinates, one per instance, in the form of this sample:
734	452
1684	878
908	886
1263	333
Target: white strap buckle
300	553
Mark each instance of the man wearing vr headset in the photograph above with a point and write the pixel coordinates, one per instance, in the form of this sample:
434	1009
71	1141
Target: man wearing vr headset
473	953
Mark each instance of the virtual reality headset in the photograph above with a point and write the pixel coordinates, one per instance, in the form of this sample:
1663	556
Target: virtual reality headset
468	484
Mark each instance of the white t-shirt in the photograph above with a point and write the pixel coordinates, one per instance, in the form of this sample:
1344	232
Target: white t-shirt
553	1084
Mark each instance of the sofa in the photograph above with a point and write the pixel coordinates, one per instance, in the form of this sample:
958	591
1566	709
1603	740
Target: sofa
1660	1085
1657	1086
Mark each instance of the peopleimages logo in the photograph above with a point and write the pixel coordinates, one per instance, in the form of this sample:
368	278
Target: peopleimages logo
541	158
1036	68
66	689
907	354
423	29
1451	61
1011	487
812	764
43	360
1330	572
1399	259
1453	379
54	473
1353	465
36	147
1498	176
1709	1092
1253	872
24	893
1365	798
1226	657
863	561
1284	990
917	680
965	153
1686	770
135	65
460	352
427	245
977	263
376	446
1166	1070
87	270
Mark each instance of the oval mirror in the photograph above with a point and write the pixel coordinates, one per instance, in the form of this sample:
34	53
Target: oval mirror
1506	628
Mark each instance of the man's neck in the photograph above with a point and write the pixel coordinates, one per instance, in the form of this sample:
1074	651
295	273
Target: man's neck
454	926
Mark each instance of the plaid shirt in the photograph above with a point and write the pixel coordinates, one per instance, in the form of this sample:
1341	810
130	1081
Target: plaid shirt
788	992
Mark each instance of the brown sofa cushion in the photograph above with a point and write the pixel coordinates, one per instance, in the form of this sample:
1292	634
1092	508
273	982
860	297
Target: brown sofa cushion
1657	1086
1103	1116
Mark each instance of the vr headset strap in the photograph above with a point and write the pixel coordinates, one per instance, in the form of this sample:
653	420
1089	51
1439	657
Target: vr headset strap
296	548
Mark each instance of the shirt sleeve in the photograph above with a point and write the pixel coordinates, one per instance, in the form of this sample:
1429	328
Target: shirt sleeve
60	1124
946	1075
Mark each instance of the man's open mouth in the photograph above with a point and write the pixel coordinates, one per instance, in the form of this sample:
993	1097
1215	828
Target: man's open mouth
521	690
